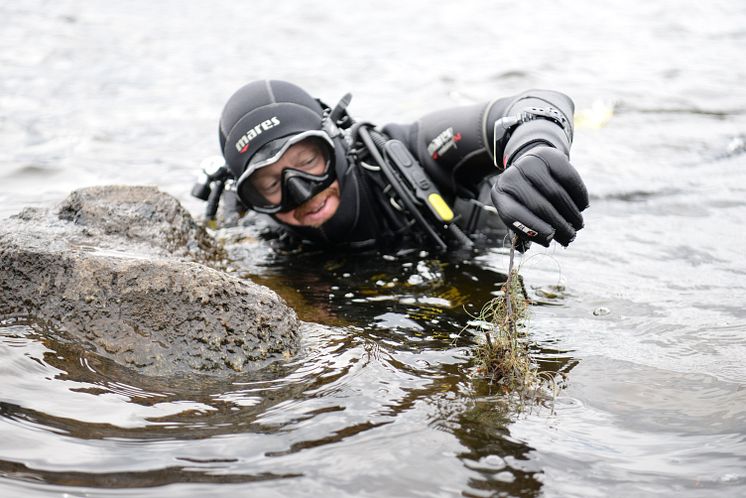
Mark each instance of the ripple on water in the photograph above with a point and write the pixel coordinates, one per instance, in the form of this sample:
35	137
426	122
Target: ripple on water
623	422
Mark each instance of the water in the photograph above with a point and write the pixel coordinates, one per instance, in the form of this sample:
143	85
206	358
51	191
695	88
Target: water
382	401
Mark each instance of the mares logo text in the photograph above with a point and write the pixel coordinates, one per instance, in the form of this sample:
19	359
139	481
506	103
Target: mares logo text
523	228
444	141
243	143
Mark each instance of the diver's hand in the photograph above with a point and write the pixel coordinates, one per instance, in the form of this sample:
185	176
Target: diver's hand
540	197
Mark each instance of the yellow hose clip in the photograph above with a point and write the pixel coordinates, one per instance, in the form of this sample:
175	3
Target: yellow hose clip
440	207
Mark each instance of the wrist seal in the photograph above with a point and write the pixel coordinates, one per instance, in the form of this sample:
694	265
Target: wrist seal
531	127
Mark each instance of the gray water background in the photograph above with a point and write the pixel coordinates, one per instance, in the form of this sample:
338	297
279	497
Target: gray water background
654	402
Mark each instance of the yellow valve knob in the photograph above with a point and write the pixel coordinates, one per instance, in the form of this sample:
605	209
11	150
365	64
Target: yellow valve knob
440	207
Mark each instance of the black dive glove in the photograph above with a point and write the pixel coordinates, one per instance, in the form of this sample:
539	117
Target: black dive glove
540	195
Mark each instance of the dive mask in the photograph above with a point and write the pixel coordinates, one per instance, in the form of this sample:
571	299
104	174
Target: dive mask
296	184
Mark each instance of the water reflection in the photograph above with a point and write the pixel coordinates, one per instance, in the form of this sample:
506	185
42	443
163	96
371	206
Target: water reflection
410	292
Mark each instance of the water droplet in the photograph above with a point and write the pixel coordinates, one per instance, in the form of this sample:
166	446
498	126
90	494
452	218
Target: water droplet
601	311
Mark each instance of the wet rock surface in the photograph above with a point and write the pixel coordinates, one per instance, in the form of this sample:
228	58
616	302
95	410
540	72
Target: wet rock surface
138	214
122	270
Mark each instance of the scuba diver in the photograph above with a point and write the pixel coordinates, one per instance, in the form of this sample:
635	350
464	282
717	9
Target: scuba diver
334	182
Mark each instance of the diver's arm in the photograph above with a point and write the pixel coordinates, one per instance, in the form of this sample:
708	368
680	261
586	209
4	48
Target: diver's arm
542	196
456	145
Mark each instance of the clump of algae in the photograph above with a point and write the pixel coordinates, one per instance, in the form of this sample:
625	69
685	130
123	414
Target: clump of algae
502	356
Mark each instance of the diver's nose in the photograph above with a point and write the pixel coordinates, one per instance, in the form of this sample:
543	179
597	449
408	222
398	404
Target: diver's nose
298	190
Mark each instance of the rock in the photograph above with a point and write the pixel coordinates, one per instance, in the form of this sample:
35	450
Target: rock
138	214
118	269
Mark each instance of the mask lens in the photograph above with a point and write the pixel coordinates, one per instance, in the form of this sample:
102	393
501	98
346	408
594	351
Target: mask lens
253	199
304	173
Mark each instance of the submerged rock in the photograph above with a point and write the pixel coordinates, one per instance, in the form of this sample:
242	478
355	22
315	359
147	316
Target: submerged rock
121	270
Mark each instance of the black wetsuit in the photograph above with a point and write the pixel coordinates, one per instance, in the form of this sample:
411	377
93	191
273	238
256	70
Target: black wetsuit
455	147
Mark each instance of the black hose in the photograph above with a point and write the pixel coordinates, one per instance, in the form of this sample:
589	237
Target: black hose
373	141
214	200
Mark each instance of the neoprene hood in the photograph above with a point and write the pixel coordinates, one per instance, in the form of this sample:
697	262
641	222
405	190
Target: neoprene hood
263	111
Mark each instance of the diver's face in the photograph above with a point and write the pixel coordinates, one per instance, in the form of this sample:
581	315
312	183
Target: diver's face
305	156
